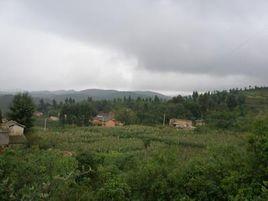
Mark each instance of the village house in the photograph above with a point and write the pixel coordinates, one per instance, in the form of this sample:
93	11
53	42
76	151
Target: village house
53	118
38	114
15	129
102	118
12	132
106	120
110	123
181	123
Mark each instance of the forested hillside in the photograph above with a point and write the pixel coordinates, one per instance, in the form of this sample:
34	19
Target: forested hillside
226	159
221	109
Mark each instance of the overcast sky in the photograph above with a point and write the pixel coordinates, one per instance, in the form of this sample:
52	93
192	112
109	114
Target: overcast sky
169	46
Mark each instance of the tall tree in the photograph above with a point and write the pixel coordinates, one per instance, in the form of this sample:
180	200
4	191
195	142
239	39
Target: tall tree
54	104
156	99
195	96
231	101
22	109
43	106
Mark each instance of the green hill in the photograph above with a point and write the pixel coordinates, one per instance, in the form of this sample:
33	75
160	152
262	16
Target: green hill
95	94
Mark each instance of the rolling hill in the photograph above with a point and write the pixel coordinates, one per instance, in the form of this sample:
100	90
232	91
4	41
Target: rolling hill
96	94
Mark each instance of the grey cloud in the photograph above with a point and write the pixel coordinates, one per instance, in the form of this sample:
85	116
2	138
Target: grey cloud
208	36
217	38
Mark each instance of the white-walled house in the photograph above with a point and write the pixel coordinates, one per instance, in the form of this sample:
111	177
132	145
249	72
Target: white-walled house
15	129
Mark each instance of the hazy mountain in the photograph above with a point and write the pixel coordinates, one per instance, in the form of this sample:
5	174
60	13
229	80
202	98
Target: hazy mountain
96	94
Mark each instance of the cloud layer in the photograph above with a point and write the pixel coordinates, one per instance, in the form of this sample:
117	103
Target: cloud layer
162	45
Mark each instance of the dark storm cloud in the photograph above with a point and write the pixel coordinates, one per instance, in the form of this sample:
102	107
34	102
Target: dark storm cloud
201	36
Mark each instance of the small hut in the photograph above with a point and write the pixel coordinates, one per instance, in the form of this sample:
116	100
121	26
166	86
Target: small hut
38	114
53	118
14	128
181	123
15	132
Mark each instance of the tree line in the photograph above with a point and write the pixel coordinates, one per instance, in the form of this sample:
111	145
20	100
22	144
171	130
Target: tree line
221	109
218	105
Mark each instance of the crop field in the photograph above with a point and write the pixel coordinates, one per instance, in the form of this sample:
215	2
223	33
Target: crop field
132	140
124	163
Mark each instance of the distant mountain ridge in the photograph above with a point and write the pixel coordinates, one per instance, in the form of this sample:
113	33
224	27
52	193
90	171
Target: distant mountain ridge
95	94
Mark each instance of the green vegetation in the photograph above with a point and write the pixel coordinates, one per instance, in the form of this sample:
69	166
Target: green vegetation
137	163
22	109
150	111
227	159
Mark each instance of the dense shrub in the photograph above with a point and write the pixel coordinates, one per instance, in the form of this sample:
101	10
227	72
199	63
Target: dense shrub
114	190
34	175
87	165
223	119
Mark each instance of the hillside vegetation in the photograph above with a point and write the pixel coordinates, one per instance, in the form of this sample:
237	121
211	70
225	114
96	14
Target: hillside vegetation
225	160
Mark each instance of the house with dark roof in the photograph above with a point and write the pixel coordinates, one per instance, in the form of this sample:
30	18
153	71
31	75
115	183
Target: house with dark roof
106	120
